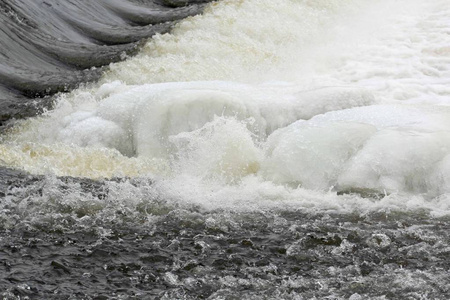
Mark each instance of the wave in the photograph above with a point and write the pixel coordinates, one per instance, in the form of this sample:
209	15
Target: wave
228	102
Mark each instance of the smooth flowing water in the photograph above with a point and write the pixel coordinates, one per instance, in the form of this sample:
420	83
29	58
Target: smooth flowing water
262	150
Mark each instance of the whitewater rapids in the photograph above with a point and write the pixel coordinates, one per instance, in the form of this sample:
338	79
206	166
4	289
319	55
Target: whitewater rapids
261	100
291	149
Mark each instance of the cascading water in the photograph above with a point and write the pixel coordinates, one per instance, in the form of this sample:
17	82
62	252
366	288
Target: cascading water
265	149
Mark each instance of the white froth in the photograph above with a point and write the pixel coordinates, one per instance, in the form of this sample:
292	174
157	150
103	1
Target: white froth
382	148
267	101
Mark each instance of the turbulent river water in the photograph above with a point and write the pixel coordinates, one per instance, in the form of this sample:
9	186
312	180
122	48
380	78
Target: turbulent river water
289	149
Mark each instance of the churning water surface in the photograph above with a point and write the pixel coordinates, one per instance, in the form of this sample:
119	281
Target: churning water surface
262	150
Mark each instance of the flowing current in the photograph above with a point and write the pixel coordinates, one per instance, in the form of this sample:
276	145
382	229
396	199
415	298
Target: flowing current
287	149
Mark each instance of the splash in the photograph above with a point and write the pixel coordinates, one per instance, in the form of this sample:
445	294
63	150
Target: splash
265	101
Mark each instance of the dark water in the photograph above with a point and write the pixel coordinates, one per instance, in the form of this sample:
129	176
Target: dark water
51	46
56	246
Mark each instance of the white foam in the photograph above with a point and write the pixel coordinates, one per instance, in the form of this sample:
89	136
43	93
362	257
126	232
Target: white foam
262	101
379	148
